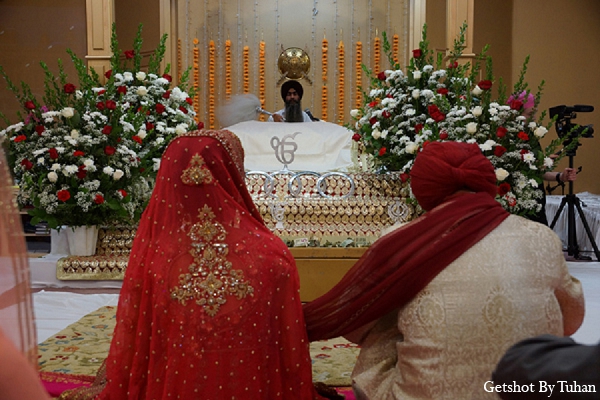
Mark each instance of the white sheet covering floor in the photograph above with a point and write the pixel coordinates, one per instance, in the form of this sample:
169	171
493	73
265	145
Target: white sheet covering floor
55	310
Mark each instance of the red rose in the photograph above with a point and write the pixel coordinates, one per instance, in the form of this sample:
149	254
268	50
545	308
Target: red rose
122	89
100	105
138	139
78	153
108	73
149	126
40	129
499	150
512	201
183	109
29	105
382	151
404	177
167	77
63	195
160	108
386	114
435	113
111	104
101	92
485	84
53	153
381	76
200	125
503	188
107	129
129	54
69	88
356	137
373	120
118	140
27	164
501	132
122	192
418	128
425	143
82	172
166	94
189	101
516	105
523	136
109	150
442	91
444	135
373	103
20	138
417	53
453	65
99	199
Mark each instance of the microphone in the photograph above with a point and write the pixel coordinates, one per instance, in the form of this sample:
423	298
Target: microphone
312	118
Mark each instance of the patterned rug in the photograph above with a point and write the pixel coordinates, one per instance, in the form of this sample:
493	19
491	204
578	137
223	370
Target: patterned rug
80	349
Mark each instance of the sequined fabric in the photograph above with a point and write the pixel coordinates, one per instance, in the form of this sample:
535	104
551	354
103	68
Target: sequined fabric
250	342
444	344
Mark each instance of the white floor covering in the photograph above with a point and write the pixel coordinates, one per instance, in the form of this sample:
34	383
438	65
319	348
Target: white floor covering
55	310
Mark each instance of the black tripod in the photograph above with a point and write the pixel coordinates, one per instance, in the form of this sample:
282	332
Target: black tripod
572	202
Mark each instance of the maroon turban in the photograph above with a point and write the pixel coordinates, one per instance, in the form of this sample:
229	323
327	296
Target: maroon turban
442	169
292	85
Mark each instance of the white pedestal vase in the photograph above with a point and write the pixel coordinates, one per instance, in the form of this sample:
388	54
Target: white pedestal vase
82	240
59	244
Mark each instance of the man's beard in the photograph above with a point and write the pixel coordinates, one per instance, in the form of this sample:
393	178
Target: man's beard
293	112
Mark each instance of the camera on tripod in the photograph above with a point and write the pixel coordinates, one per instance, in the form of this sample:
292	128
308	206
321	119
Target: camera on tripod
565	128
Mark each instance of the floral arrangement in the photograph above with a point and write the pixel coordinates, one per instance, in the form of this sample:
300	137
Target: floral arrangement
87	154
404	111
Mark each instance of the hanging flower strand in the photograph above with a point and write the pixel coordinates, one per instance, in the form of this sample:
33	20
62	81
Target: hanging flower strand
228	86
179	63
261	78
246	58
324	99
359	98
395	48
196	72
211	84
341	83
377	55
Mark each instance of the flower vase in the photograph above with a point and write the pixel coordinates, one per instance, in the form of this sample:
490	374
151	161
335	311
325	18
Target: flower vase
59	243
82	240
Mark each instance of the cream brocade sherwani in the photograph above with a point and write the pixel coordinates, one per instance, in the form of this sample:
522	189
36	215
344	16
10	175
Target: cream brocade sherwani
445	343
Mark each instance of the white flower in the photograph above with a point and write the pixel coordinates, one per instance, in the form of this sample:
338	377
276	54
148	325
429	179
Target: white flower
41	161
108	170
181	129
159	140
74	133
142	91
127	76
88	162
415	93
52	176
55	167
417	75
67	112
477	90
528	157
411	148
156	163
533	183
354	113
532	125
540	131
477	111
548	162
140	75
487	145
69	170
501	174
118	174
376	134
142	134
471	127
384	133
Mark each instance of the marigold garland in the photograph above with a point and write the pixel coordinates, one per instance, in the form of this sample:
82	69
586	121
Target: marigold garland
211	84
246	58
179	63
395	48
377	55
228	86
341	83
324	99
359	97
196	73
261	77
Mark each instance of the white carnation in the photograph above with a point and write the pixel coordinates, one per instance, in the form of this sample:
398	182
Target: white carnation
52	176
142	91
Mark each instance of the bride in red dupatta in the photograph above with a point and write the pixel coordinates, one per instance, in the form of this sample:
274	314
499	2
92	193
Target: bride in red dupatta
210	306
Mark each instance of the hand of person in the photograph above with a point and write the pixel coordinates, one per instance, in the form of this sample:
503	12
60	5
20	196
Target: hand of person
568	175
277	118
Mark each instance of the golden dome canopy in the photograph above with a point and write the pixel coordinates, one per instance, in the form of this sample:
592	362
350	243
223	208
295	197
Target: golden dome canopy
293	63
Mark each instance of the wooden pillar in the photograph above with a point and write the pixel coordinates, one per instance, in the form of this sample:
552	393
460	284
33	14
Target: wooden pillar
168	24
100	15
457	13
417	20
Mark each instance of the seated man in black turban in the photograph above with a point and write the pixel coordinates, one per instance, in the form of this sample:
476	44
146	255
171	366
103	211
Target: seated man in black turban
291	93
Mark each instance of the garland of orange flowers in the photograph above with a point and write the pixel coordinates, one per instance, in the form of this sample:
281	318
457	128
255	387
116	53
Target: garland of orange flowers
324	100
358	102
196	73
377	55
261	77
395	48
341	82
228	90
179	64
246	57
211	84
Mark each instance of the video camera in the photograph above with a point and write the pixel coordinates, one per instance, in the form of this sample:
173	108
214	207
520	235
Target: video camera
563	121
